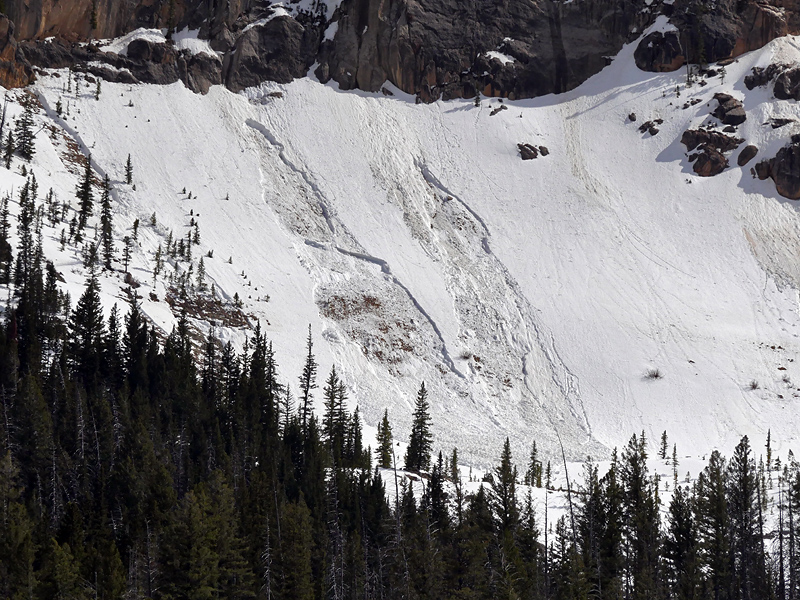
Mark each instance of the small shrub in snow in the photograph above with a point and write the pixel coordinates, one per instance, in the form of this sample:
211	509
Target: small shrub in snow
753	385
653	374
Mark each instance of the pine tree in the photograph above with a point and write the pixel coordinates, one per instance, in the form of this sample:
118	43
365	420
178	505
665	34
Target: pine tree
503	495
641	519
533	475
384	438
334	422
681	547
662	451
24	133
308	382
749	575
201	275
6	254
129	171
713	525
126	252
106	224
9	149
87	331
85	195
420	443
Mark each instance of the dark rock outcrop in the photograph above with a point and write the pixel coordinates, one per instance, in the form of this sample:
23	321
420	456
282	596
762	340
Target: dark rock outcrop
747	154
280	50
710	159
146	62
709	162
438	48
730	110
14	70
528	151
692	138
650	126
659	52
724	30
784	170
430	48
787	80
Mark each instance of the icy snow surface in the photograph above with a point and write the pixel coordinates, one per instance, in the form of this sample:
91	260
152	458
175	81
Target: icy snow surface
532	297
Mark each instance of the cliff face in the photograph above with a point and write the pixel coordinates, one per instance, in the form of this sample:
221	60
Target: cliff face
438	48
430	48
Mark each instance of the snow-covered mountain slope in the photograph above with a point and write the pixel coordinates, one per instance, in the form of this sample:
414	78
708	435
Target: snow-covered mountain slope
532	297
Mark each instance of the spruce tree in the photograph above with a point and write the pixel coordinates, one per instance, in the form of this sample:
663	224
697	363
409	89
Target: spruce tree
87	331
681	547
503	495
420	443
85	195
308	382
106	224
749	576
129	171
713	525
662	450
383	453
9	149
6	254
24	134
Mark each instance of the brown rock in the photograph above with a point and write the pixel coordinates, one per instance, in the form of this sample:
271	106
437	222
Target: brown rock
763	169
527	151
709	162
14	70
747	154
785	171
692	138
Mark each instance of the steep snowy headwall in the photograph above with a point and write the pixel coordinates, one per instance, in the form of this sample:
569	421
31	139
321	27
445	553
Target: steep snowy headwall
593	292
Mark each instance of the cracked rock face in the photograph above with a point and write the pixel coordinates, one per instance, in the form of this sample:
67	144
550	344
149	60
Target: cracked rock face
13	71
431	48
452	48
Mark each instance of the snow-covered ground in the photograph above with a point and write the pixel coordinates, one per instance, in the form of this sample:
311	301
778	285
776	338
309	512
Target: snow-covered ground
532	297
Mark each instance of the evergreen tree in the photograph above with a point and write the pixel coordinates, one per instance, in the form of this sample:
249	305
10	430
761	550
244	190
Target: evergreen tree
6	254
662	450
9	149
85	195
749	576
503	495
87	332
713	526
106	224
129	171
384	438
420	443
24	133
641	520
308	382
334	422
533	475
681	547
